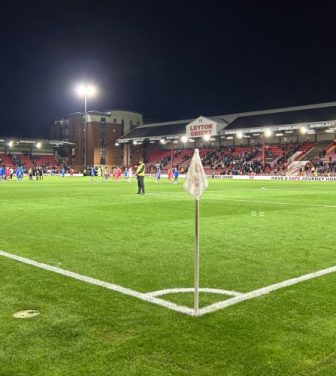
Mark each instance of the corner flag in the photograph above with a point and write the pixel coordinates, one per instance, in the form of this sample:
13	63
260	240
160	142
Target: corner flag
195	183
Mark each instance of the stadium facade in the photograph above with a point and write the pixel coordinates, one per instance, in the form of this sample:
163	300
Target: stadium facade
118	137
280	121
314	123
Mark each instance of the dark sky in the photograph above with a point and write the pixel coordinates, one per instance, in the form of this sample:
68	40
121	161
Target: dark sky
166	59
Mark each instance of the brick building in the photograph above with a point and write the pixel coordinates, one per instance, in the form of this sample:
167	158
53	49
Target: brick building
103	129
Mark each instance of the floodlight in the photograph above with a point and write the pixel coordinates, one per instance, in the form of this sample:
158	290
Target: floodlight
84	90
303	130
10	143
163	141
206	137
184	139
268	133
39	145
240	135
91	90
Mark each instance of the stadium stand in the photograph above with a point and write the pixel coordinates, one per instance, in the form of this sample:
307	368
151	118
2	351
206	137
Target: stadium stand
12	160
281	159
316	150
330	153
45	161
26	161
6	160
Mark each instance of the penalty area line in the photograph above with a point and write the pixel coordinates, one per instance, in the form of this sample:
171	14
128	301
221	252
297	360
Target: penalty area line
265	290
97	282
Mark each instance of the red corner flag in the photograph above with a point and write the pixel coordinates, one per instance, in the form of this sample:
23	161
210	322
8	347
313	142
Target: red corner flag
195	181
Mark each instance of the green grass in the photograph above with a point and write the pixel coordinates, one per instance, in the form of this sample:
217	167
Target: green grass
253	233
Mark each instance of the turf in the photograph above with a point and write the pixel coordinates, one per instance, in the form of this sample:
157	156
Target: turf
253	233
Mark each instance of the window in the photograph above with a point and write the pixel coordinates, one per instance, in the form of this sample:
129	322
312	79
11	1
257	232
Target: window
65	132
103	132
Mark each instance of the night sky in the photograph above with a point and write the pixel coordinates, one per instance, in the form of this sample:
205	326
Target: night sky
166	59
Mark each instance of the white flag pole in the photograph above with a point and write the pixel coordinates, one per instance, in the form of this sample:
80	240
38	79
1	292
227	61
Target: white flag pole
195	183
196	275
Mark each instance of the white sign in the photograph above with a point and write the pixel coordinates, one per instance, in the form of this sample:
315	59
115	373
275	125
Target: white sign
195	181
201	127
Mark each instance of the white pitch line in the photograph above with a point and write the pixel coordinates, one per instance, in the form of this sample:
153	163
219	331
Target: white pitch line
219	198
265	290
274	202
191	289
97	282
150	298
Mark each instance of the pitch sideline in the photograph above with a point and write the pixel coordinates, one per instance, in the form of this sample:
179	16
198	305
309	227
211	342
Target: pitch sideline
150	297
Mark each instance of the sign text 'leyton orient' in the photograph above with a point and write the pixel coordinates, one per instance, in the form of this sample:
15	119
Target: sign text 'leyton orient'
201	130
201	127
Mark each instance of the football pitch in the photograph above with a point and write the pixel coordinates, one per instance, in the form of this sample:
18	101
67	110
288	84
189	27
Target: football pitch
111	274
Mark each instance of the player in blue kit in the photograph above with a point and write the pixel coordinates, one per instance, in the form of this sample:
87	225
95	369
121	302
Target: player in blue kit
2	173
126	174
19	173
158	173
176	175
92	173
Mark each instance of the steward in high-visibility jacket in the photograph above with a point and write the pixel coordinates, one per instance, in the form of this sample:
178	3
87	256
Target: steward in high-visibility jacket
140	173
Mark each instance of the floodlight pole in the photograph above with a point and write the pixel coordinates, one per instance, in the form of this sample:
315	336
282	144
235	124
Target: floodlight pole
85	136
196	274
263	149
